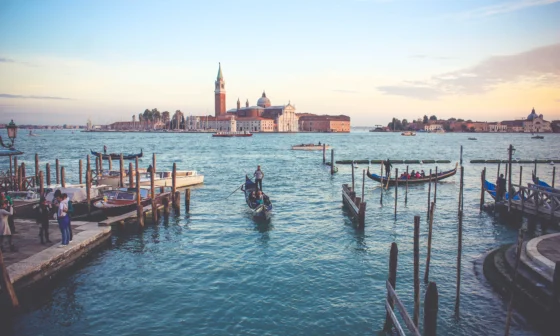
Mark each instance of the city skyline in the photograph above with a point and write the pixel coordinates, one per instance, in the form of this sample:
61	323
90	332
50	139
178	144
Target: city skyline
66	62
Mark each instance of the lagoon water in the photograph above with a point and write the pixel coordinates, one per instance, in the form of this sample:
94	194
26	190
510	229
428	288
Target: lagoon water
309	271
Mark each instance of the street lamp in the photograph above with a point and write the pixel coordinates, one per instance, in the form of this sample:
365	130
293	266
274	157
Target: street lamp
12	133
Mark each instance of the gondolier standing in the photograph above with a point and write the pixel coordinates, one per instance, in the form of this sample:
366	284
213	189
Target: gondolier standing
259	175
388	167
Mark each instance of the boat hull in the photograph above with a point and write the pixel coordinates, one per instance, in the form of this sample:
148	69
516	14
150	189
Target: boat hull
258	212
392	181
310	148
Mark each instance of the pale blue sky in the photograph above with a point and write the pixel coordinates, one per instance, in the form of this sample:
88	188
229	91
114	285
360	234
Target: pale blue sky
366	59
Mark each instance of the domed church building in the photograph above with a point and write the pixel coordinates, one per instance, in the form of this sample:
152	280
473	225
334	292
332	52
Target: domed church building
535	123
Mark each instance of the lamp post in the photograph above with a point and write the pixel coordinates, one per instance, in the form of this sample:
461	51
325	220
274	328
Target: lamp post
12	133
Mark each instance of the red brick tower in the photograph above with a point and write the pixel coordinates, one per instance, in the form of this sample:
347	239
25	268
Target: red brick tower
220	94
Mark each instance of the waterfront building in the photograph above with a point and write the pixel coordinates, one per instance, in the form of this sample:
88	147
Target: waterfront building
497	127
433	127
309	122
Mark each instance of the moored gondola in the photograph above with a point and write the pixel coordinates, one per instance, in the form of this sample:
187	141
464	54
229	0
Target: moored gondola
261	211
402	181
115	156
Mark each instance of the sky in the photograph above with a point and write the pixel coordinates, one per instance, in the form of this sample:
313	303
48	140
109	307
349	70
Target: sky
64	62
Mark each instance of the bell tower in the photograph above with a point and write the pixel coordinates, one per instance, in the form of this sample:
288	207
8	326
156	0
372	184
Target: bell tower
219	94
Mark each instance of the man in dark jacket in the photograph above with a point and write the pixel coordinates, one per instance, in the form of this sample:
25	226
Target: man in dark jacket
501	187
43	214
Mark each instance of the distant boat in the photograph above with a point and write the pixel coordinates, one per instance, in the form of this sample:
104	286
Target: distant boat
537	137
32	134
310	147
408	133
378	128
232	134
472	138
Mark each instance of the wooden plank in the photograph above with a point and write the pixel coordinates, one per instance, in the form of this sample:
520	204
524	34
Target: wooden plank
350	203
394	319
122	217
402	311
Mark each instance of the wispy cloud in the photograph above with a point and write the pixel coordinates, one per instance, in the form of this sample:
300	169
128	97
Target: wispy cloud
345	91
7	95
540	66
6	60
506	7
422	56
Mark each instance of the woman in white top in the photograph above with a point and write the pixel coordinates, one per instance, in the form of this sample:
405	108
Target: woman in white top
4	226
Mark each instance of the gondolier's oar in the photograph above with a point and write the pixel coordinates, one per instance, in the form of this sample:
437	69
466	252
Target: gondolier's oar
234	191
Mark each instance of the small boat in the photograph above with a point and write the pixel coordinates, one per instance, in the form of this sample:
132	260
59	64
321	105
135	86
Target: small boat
472	139
120	201
78	196
24	202
537	137
184	178
402	181
232	134
318	146
408	133
261	212
32	134
115	156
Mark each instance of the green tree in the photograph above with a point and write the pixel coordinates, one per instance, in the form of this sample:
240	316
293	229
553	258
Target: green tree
460	120
425	120
434	118
447	126
404	124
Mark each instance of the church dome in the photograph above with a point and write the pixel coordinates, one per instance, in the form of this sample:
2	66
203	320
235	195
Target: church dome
263	101
532	116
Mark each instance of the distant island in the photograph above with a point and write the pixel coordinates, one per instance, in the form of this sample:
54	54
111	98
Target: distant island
534	123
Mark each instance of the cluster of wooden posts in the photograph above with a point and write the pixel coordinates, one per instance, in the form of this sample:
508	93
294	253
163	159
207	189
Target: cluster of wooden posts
532	199
333	169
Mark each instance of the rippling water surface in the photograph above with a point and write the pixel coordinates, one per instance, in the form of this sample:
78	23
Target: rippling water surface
308	272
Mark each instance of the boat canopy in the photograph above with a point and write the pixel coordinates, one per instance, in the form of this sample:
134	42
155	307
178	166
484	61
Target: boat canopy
74	194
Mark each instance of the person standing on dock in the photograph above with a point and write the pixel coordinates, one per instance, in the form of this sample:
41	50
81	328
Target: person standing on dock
388	167
500	187
150	171
70	208
62	217
43	212
104	149
4	227
259	175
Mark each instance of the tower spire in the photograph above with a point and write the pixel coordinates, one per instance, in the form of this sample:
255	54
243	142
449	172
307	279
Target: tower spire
220	75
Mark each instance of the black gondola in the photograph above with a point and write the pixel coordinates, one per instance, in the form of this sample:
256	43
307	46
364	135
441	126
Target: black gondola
402	181
114	156
260	211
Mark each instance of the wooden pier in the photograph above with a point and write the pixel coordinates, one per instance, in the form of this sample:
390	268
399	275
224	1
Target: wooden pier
354	204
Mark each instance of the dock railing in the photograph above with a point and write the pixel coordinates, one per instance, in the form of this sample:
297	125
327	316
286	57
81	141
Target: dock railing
536	200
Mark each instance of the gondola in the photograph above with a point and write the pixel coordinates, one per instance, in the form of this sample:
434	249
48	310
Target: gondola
440	176
261	212
115	156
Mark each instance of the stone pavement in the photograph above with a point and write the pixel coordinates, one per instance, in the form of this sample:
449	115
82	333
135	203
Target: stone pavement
542	253
33	262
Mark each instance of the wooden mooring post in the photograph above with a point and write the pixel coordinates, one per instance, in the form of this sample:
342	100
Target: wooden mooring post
459	247
22	177
130	176
393	257
153	190
139	207
88	187
174	200
355	205
6	284
353	185
187	200
332	162
429	195
62	177
396	189
41	187
101	163
431	303
324	153
10	173
57	166
553	176
520	238
363	183
436	183
416	316
520	175
121	171
165	202
48	173
429	252
36	168
110	163
80	171
406	188
482	187
381	194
